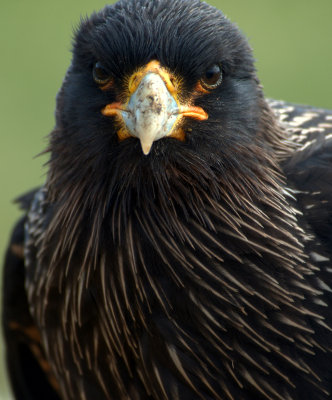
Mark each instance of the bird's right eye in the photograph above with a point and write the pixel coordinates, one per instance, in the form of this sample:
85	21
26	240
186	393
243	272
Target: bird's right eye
100	75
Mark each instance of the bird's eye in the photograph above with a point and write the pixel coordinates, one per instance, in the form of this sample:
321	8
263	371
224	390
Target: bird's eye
100	75
212	77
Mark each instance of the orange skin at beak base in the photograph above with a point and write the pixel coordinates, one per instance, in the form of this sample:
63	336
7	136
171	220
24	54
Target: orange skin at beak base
143	90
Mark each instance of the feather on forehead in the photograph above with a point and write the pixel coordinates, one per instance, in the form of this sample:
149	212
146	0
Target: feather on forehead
183	35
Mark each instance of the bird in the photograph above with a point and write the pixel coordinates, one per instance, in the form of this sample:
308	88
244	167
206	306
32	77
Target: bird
180	247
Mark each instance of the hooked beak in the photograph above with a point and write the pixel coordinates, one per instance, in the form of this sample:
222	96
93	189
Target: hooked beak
153	110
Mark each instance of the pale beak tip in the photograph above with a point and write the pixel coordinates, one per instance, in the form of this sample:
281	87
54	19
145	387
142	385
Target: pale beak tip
146	147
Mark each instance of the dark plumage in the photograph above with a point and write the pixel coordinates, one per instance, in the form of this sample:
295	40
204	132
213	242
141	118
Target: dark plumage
199	269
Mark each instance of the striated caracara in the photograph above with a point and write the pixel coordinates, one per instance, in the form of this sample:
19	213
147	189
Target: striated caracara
180	246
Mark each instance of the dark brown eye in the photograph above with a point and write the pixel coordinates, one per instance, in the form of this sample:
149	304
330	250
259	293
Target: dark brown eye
212	77
100	75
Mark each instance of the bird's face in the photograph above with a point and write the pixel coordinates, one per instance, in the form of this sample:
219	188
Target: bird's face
155	79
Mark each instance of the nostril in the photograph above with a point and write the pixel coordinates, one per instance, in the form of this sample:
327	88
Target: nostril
154	103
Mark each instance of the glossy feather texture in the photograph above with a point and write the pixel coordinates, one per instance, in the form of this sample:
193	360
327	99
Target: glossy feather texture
200	271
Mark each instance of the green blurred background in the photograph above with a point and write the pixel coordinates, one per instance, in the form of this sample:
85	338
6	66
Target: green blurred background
292	42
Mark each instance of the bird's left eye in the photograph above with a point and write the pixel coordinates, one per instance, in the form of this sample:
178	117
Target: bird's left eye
100	75
212	77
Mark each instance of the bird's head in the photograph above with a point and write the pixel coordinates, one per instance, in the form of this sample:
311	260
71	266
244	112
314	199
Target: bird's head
157	91
158	77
